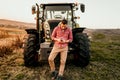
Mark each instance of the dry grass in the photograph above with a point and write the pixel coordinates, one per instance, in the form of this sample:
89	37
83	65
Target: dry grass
3	34
5	50
9	40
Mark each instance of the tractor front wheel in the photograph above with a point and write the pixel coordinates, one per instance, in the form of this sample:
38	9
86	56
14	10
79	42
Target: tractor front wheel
30	51
82	55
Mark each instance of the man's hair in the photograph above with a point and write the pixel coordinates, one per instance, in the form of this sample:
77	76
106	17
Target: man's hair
64	21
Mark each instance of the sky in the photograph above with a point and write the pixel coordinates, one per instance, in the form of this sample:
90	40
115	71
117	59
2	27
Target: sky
99	14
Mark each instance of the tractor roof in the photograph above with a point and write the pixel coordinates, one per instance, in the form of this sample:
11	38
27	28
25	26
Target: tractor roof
58	4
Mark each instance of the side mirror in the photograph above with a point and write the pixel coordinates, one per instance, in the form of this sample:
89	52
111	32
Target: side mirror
82	7
33	9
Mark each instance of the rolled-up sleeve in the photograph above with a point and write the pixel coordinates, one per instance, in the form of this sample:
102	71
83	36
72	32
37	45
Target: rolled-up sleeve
70	36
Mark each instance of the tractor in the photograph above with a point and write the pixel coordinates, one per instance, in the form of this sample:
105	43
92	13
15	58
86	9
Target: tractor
38	45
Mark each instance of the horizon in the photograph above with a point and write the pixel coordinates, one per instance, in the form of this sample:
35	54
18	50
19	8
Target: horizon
99	14
35	24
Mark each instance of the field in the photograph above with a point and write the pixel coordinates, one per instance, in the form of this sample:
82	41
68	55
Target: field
104	62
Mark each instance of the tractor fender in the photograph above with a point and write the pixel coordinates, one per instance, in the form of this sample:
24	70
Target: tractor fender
31	31
78	30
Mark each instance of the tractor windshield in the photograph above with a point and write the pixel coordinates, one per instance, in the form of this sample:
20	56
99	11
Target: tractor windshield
58	12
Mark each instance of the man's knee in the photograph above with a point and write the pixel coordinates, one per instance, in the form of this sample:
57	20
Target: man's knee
50	59
62	62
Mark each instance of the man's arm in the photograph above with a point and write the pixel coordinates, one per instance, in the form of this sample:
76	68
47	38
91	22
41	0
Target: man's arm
70	38
53	36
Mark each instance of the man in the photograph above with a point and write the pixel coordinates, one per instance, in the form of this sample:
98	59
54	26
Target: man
61	35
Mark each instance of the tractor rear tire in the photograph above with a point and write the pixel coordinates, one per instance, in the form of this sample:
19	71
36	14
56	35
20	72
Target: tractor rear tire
82	57
30	51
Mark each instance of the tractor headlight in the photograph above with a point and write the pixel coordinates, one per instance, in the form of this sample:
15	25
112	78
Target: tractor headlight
46	26
47	34
47	31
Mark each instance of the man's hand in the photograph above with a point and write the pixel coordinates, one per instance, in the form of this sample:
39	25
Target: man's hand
61	40
58	40
66	41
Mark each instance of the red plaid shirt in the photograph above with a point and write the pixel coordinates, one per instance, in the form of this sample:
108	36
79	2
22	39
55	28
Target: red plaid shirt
62	34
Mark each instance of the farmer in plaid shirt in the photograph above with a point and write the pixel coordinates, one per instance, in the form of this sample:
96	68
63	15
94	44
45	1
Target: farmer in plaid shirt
61	35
